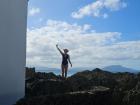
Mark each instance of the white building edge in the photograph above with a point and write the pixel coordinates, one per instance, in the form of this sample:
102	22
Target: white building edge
13	19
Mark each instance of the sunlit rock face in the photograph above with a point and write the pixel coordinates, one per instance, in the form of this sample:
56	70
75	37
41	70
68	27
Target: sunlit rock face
13	15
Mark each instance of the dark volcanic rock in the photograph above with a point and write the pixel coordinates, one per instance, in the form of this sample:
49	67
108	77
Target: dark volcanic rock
132	97
87	79
126	81
94	87
91	97
48	87
43	75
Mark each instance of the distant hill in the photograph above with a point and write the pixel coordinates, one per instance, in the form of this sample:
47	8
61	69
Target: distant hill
119	68
44	69
73	70
57	71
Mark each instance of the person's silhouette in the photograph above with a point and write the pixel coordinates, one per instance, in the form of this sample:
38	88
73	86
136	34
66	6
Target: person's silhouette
65	60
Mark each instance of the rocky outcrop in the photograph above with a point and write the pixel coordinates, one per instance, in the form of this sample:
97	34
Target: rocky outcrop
96	77
94	87
132	97
97	96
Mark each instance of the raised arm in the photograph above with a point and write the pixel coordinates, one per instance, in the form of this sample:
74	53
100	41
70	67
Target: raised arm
59	49
69	61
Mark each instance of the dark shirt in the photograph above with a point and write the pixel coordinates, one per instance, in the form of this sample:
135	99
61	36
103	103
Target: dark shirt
65	59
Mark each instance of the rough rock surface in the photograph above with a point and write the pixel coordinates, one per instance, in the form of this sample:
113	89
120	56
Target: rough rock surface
96	87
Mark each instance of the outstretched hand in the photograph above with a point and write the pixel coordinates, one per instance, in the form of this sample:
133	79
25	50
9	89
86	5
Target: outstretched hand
56	45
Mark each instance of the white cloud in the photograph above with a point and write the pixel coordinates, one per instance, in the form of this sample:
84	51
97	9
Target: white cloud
87	47
99	8
114	5
105	15
33	11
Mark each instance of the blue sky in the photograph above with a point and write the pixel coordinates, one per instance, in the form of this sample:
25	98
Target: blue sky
125	20
112	24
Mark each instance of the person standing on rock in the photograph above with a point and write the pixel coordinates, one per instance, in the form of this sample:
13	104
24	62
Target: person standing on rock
65	60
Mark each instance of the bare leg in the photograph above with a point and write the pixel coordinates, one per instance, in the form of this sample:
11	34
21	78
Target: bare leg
62	68
66	69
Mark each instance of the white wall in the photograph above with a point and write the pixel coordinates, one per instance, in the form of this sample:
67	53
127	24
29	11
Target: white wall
13	14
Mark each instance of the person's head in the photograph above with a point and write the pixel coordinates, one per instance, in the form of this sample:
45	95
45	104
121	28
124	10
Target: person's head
66	51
